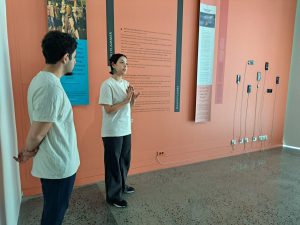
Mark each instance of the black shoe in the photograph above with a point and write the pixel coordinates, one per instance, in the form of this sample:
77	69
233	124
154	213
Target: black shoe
129	190
118	204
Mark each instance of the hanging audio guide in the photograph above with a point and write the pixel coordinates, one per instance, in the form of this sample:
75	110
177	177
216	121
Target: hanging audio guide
266	66
238	79
258	76
249	87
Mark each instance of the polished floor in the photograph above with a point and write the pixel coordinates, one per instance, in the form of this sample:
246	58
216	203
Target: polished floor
251	189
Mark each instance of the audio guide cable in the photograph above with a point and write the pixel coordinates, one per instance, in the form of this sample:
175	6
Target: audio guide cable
274	104
249	62
258	78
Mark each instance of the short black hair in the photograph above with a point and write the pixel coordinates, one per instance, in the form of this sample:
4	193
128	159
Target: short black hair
114	59
56	44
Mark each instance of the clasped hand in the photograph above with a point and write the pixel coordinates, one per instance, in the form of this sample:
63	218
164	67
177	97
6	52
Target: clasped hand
131	95
24	155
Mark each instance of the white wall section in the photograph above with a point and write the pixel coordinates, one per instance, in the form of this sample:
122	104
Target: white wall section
10	188
292	116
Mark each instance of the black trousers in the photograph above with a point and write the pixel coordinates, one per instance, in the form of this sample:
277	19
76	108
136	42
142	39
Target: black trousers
56	193
117	155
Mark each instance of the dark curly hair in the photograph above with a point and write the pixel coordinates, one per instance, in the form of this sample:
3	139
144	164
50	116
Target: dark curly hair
114	59
56	44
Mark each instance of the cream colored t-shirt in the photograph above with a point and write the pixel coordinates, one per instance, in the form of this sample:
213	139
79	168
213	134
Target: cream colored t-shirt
115	124
58	155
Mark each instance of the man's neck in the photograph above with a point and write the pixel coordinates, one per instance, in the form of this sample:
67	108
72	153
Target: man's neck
55	69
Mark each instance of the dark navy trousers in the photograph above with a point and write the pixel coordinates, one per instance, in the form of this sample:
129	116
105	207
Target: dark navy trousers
56	193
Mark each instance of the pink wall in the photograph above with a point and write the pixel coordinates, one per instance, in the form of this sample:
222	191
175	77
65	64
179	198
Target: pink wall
257	29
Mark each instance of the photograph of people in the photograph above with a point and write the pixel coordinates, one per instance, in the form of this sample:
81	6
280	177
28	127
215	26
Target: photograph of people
117	97
68	16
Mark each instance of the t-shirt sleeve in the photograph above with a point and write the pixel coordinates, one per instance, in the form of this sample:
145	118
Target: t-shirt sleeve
105	97
47	104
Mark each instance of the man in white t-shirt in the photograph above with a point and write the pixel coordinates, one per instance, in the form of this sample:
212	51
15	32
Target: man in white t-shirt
51	139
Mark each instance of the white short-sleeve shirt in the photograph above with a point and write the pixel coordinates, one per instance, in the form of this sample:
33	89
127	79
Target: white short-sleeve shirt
58	155
117	123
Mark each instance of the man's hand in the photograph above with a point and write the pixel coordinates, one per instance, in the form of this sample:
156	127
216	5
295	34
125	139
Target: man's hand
35	136
24	155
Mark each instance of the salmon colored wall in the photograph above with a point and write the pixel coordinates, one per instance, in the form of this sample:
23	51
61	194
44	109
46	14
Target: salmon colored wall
261	30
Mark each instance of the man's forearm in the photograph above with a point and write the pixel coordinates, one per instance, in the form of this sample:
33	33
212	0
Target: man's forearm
32	142
36	134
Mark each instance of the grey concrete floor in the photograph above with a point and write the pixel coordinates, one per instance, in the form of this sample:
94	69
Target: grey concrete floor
251	189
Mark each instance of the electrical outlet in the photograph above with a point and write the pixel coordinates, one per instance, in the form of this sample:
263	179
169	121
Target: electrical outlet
266	137
246	140
233	142
261	137
160	153
254	139
250	62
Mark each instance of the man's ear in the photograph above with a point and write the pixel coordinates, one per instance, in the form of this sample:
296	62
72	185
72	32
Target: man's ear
65	58
113	65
